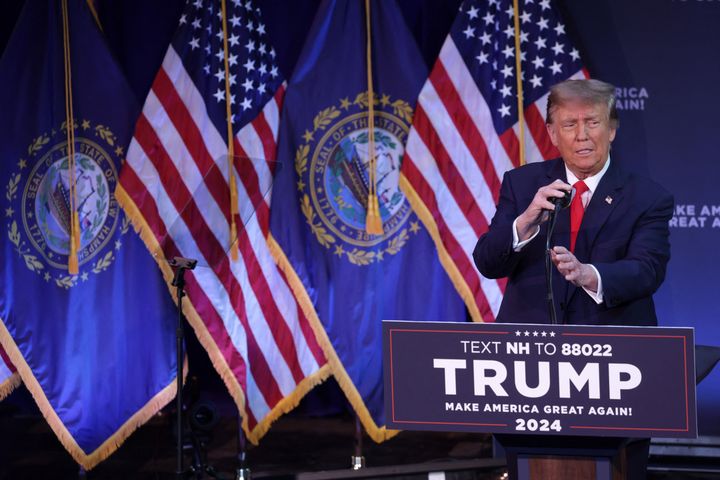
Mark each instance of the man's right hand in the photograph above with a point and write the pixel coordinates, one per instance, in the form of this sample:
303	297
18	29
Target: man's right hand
539	209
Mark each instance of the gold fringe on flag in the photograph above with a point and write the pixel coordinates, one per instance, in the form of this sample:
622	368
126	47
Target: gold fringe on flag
373	221
111	444
73	263
9	385
378	434
230	140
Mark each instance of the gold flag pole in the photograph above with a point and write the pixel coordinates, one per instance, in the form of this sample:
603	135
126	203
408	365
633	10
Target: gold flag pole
518	77
373	222
230	138
73	263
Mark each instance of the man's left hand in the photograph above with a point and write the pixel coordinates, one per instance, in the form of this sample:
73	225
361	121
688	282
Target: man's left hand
580	274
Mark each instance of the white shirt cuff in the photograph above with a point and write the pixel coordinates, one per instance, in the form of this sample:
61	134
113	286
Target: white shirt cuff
597	296
517	244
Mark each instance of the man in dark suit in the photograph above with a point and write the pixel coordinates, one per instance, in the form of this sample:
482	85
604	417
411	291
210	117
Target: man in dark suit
608	273
611	246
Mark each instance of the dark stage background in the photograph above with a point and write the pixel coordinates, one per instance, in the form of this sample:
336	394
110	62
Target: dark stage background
661	54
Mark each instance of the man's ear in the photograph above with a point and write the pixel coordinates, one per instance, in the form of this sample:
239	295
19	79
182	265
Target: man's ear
553	133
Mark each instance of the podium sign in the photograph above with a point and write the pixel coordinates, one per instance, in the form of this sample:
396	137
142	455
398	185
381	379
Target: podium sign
540	379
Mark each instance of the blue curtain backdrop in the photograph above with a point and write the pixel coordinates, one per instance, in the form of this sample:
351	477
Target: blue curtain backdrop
660	53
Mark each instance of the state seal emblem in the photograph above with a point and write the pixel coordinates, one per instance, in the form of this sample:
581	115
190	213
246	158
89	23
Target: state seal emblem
39	212
332	172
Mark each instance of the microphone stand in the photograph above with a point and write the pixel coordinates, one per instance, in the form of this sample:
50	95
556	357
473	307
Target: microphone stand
559	203
181	265
548	264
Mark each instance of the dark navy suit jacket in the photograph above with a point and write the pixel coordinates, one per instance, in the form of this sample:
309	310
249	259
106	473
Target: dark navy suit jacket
624	234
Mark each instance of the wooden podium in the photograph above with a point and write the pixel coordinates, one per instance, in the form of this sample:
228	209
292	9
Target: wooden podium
564	401
588	459
575	458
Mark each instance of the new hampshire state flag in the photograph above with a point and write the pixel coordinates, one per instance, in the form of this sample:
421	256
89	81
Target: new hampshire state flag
347	280
96	348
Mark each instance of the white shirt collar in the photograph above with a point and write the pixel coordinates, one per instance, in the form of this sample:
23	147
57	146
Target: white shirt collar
592	181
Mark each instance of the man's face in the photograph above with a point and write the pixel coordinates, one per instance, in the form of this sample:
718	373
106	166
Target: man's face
582	133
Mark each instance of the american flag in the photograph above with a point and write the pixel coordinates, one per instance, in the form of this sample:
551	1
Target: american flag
465	132
9	379
175	186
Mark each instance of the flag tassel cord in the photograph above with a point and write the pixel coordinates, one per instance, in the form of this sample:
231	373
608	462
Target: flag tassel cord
518	78
230	141
373	222
73	263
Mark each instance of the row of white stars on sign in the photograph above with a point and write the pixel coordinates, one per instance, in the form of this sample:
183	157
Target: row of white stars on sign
534	333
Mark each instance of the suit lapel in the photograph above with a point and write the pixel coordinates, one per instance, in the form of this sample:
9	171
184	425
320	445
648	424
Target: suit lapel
606	197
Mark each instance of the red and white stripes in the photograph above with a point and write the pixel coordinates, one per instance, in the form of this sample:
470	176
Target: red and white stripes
176	174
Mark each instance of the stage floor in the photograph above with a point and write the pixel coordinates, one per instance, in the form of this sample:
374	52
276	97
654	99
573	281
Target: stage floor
297	447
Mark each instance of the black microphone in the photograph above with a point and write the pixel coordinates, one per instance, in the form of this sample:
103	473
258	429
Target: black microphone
564	201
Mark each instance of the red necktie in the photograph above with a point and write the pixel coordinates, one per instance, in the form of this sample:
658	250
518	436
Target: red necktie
576	212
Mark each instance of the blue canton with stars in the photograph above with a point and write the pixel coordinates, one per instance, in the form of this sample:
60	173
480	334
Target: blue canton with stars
254	74
484	33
